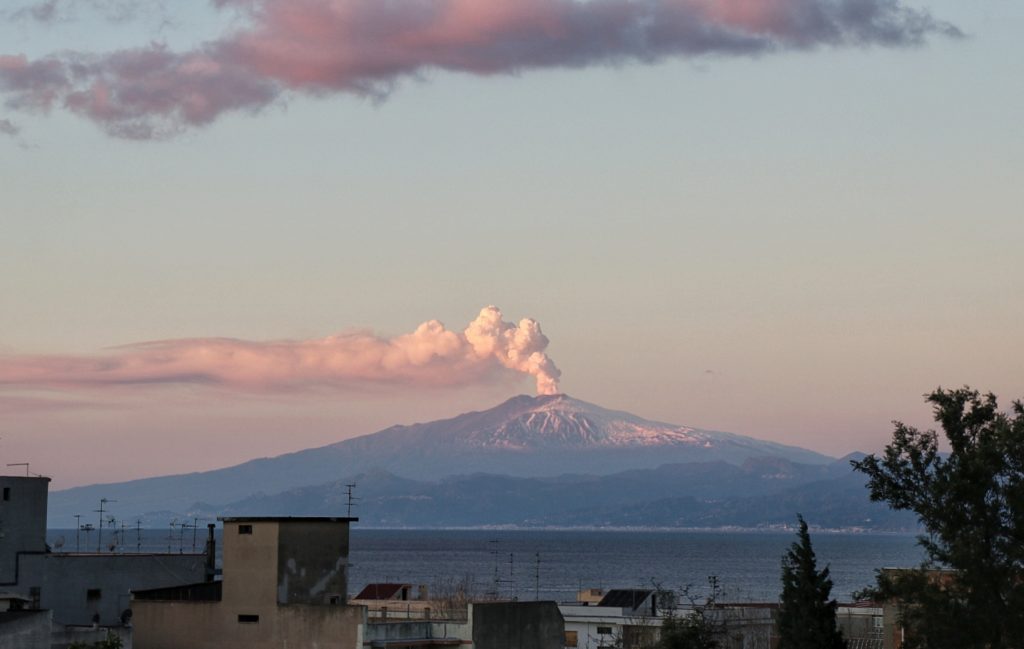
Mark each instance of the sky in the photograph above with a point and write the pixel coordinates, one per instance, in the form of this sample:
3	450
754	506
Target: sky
239	228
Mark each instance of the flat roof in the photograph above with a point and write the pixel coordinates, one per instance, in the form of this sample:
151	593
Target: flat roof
287	519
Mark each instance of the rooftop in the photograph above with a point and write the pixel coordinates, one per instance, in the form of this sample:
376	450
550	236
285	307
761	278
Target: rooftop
381	591
287	519
625	597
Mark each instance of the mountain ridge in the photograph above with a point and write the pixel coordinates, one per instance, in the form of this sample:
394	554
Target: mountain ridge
524	436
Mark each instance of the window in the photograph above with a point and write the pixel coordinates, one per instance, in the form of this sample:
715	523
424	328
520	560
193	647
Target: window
604	630
571	639
334	599
93	594
248	619
245	529
7	493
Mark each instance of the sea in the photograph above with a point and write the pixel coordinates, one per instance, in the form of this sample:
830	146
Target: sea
738	566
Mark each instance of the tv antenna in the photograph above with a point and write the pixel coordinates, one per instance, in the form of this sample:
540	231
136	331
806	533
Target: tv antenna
351	500
101	511
78	532
28	474
498	580
87	528
170	534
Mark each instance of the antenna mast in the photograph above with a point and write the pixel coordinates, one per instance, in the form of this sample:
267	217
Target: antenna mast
101	511
351	500
536	580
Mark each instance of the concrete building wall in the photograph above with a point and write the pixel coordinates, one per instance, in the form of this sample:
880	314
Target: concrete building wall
745	627
215	625
604	626
25	630
518	625
63	637
312	562
250	563
22	521
77	587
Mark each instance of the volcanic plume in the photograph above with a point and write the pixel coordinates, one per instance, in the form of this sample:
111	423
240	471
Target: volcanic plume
432	355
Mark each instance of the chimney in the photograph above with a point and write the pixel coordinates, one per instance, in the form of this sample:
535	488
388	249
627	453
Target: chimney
211	553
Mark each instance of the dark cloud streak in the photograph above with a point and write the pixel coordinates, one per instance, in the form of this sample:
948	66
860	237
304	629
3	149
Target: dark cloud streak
363	47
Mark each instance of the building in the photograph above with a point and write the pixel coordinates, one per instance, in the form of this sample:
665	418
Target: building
621	617
79	588
285	583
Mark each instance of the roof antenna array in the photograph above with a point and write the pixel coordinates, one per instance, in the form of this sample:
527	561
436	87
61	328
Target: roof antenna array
24	464
101	511
351	500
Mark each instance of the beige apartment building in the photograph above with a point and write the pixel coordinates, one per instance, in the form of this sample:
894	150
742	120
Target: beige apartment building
285	583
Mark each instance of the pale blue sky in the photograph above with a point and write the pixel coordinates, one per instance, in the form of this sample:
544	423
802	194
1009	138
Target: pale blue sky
832	233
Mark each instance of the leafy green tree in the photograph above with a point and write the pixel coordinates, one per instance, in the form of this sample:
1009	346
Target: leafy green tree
969	593
807	615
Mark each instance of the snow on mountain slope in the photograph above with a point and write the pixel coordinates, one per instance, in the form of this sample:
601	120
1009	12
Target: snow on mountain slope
525	436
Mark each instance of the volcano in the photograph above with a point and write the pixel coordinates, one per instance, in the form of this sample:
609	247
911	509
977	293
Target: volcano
525	436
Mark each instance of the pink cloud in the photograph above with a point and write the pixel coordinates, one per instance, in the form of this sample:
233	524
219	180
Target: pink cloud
321	47
432	355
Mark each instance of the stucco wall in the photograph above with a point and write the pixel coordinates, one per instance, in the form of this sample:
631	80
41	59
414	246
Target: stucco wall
25	630
312	562
215	625
62	637
517	625
65	580
22	521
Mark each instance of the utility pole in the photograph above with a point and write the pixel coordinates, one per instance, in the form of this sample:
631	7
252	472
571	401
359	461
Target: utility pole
78	532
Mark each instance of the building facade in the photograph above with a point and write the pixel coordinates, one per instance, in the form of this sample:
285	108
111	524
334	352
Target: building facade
284	585
81	589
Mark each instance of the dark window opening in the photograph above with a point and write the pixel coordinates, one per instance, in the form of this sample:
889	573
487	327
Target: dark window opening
245	529
334	599
604	630
7	493
248	619
93	594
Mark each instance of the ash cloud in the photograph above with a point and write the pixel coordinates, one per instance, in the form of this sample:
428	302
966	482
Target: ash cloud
432	355
363	47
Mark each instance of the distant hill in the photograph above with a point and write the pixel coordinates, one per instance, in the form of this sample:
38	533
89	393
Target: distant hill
761	493
524	437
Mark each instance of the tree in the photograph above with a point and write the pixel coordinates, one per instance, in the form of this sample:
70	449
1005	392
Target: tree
112	641
696	630
807	615
969	593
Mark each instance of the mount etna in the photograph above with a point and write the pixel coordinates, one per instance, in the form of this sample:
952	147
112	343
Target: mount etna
533	461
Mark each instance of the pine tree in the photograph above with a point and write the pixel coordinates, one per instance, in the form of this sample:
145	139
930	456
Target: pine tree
807	615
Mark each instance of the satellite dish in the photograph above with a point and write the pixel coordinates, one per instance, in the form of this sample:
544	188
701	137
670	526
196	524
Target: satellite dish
59	543
112	546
